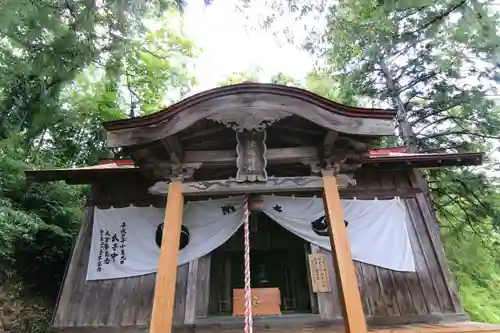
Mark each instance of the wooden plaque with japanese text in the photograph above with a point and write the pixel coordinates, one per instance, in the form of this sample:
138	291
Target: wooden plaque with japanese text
251	156
319	273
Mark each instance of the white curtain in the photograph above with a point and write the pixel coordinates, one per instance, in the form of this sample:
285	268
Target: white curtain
124	239
128	246
210	223
376	228
123	242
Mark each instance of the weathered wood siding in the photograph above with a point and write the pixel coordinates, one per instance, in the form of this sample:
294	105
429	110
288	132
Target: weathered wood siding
125	192
388	296
123	302
416	296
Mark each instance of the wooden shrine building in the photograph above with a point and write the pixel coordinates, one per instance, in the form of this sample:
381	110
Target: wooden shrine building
262	142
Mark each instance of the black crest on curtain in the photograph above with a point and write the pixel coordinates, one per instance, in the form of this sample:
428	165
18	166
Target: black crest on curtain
185	236
228	209
320	226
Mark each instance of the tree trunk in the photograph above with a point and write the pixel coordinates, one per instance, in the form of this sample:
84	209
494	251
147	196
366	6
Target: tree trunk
402	117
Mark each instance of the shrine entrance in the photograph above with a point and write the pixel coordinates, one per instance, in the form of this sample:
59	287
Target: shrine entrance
278	262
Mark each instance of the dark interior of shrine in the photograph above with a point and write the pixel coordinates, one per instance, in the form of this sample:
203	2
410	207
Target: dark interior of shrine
277	258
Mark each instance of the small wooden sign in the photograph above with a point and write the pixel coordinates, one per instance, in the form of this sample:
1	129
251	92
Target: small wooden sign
319	273
251	156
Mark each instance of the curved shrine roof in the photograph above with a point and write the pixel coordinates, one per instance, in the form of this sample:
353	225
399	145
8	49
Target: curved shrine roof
256	103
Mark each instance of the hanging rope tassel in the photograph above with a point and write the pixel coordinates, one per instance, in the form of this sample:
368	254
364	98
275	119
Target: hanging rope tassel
248	290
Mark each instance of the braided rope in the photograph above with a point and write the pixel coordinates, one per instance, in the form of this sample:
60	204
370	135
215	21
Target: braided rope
248	290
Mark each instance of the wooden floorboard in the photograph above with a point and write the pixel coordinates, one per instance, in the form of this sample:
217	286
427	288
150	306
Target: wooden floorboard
465	327
455	328
459	327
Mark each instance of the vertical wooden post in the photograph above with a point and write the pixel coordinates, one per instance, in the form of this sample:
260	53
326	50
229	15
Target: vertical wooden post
163	301
350	299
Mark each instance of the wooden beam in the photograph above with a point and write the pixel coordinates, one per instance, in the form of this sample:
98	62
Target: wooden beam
204	144
298	129
163	300
296	139
350	299
328	143
329	140
198	133
345	194
228	157
173	147
380	193
228	186
354	145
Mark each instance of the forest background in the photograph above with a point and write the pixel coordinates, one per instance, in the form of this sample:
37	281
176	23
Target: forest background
68	65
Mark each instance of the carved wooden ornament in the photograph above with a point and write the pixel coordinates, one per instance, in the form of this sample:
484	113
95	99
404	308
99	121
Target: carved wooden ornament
251	156
249	118
272	185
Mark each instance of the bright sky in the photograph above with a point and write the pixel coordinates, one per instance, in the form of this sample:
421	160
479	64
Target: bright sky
228	46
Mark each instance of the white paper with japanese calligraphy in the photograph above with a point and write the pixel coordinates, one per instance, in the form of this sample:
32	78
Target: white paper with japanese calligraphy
377	228
124	240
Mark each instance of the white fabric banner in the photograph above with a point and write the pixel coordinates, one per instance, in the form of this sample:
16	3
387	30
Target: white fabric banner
376	228
125	240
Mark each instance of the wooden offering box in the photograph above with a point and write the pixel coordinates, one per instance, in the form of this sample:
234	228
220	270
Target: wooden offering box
265	301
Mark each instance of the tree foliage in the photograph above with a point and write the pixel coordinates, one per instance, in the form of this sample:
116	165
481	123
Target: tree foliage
67	66
414	57
437	64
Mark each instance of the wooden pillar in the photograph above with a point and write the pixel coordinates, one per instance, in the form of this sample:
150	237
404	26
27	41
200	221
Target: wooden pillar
163	301
350	299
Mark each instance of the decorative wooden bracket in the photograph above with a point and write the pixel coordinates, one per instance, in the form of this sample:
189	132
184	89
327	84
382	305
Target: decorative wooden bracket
314	164
183	171
256	119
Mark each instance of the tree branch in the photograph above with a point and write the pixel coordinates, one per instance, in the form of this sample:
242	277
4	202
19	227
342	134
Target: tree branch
435	19
417	80
437	135
435	112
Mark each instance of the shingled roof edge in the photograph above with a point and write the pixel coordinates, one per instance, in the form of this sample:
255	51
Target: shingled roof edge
246	88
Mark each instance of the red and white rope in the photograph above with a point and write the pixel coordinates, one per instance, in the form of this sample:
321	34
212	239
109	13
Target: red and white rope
248	290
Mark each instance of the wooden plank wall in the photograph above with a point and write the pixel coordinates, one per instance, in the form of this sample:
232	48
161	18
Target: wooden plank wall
197	295
427	292
386	294
122	302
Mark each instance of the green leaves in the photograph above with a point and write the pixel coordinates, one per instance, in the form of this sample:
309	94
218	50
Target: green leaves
251	75
471	247
428	51
65	67
437	64
25	210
